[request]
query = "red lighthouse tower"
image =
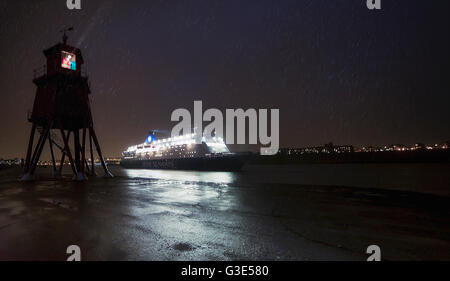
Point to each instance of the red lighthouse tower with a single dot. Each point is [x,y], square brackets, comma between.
[61,107]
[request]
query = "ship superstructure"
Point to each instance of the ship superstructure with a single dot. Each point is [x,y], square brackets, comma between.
[182,152]
[176,147]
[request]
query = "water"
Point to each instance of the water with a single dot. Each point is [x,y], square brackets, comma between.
[298,212]
[424,178]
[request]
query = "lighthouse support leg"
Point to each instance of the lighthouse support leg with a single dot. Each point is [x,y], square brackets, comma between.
[50,141]
[99,152]
[40,148]
[76,145]
[27,176]
[30,148]
[33,157]
[78,164]
[67,149]
[79,152]
[88,170]
[92,155]
[83,153]
[61,165]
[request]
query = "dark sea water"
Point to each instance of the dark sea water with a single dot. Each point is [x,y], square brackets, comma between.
[422,177]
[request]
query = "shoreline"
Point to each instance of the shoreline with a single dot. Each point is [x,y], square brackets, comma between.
[223,220]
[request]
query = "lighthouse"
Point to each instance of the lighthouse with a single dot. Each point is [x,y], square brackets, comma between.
[62,110]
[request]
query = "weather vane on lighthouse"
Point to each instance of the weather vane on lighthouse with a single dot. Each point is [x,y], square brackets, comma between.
[62,104]
[64,30]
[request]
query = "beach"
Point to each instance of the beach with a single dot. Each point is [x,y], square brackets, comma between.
[298,212]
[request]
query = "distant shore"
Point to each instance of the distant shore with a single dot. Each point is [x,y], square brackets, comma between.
[5,166]
[422,156]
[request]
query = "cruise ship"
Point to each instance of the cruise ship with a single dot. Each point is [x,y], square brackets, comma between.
[182,153]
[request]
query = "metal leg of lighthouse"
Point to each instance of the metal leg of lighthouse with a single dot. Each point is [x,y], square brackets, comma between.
[99,152]
[83,154]
[76,146]
[38,151]
[30,149]
[50,142]
[27,176]
[88,170]
[79,155]
[67,150]
[92,155]
[78,161]
[61,165]
[31,163]
[33,157]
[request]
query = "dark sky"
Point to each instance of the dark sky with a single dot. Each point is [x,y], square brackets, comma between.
[337,71]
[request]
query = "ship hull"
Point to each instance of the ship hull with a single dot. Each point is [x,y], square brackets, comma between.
[222,163]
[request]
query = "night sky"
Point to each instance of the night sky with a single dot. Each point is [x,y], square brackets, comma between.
[337,71]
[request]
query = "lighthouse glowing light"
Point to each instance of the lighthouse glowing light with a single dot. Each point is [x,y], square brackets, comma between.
[68,60]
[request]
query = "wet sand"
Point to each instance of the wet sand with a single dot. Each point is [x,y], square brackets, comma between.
[181,215]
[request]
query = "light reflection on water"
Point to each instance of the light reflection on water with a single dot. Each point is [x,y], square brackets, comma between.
[418,177]
[189,176]
[171,187]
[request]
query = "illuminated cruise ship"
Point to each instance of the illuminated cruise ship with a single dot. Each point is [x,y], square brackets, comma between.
[182,153]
